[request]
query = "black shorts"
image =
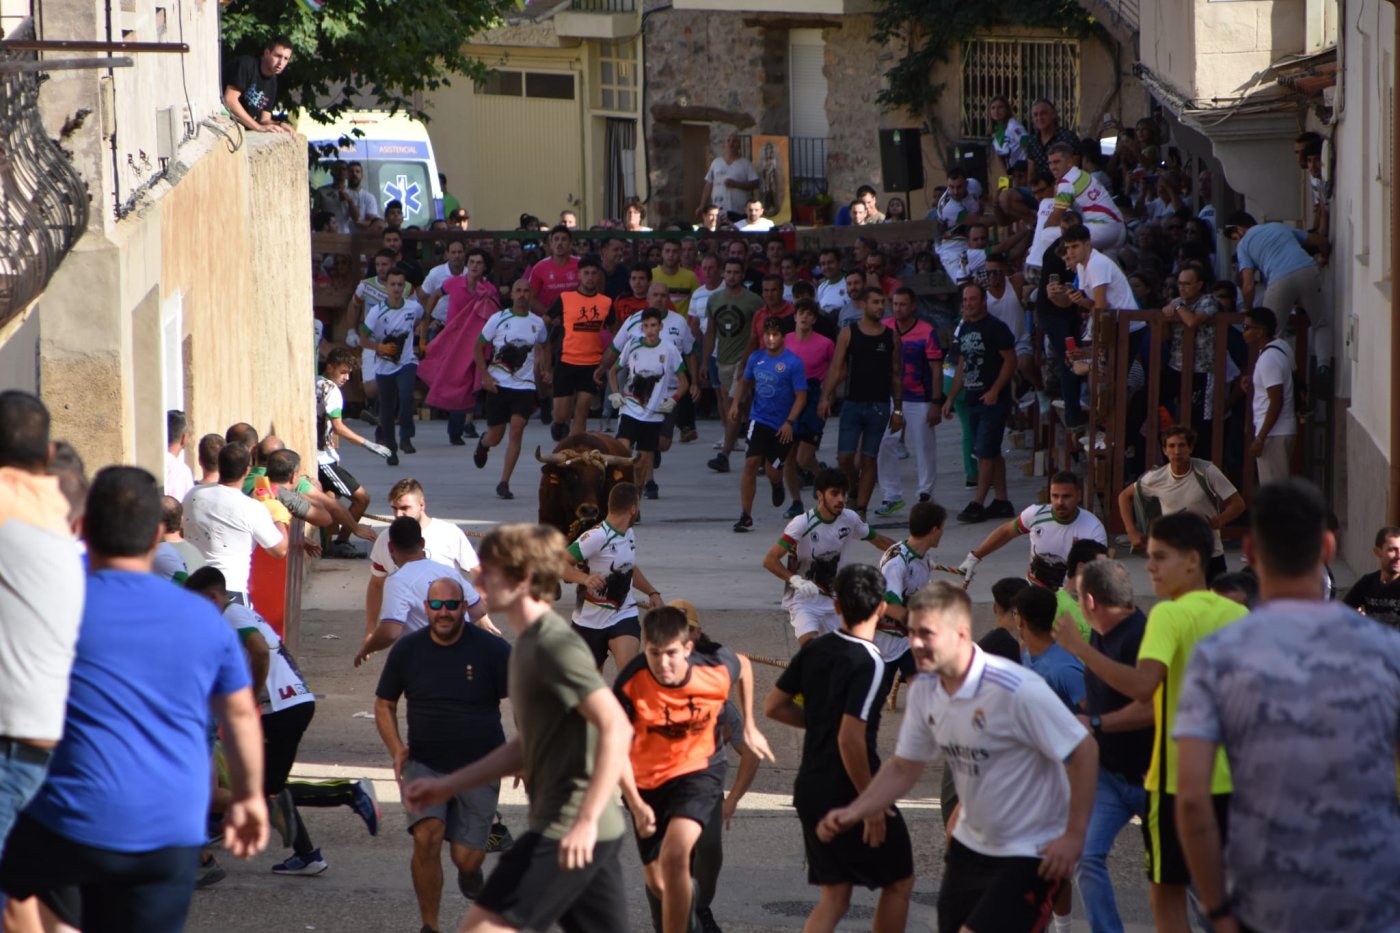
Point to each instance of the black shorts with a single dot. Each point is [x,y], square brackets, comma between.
[764,443]
[531,892]
[597,638]
[644,435]
[848,860]
[99,890]
[504,404]
[570,379]
[985,892]
[1166,863]
[691,796]
[336,480]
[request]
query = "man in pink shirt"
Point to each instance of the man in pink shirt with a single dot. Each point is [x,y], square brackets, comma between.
[816,353]
[922,359]
[557,273]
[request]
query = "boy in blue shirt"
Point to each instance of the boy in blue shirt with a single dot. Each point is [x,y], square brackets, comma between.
[776,379]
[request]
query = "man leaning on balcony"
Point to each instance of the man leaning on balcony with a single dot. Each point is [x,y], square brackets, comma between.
[251,92]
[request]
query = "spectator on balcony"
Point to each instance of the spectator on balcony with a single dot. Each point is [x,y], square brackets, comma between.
[1100,284]
[895,211]
[754,221]
[336,198]
[459,219]
[1046,132]
[956,211]
[858,215]
[568,218]
[710,218]
[251,93]
[1078,190]
[634,216]
[1275,425]
[364,206]
[1189,315]
[1009,139]
[729,182]
[1274,252]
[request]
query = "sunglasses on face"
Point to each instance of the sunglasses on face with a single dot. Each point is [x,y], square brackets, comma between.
[450,604]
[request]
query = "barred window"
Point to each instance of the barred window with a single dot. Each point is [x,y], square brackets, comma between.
[1022,70]
[617,76]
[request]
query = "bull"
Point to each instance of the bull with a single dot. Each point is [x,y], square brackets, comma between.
[576,478]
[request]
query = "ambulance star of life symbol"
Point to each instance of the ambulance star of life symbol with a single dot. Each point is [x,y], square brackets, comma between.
[401,189]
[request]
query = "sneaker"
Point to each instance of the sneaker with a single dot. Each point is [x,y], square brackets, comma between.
[369,415]
[311,864]
[925,497]
[392,459]
[970,483]
[745,523]
[779,494]
[1001,508]
[344,550]
[973,514]
[480,454]
[706,918]
[471,885]
[500,839]
[280,810]
[456,442]
[718,445]
[719,463]
[651,490]
[689,435]
[889,507]
[367,805]
[470,431]
[407,447]
[795,509]
[503,491]
[558,431]
[209,873]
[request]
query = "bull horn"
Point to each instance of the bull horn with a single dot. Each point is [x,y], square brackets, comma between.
[554,459]
[612,460]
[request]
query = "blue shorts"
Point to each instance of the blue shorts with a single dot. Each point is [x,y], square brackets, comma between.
[863,424]
[810,425]
[987,424]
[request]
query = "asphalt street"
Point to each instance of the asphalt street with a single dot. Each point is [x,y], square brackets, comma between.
[687,548]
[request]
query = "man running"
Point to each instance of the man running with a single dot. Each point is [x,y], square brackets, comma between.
[1052,528]
[730,313]
[921,365]
[656,380]
[905,567]
[572,739]
[777,381]
[388,331]
[838,677]
[330,429]
[453,676]
[580,315]
[1005,736]
[369,293]
[810,552]
[674,695]
[518,367]
[607,617]
[874,398]
[1178,551]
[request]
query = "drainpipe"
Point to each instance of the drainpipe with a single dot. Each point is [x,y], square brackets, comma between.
[1393,507]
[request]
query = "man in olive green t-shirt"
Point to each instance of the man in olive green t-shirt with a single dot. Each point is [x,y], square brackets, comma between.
[1179,550]
[731,312]
[571,744]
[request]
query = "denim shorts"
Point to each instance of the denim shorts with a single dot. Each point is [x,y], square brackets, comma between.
[987,424]
[863,424]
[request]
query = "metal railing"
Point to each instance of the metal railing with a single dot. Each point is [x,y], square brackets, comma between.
[43,200]
[603,6]
[807,158]
[1023,70]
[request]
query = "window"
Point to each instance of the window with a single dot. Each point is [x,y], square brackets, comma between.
[548,85]
[617,76]
[1023,70]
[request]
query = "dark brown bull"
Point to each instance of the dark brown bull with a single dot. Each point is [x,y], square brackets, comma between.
[575,480]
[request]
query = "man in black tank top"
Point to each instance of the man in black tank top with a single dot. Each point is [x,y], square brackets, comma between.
[867,351]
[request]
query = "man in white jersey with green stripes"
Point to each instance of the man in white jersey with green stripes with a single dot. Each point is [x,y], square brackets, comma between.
[1052,528]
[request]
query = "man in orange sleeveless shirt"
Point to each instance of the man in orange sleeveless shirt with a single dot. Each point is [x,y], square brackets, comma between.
[580,315]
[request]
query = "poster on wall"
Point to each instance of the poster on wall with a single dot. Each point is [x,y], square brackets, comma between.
[770,161]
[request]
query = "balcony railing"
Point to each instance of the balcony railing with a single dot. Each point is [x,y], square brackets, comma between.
[603,6]
[43,201]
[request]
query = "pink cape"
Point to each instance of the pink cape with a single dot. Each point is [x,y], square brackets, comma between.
[449,364]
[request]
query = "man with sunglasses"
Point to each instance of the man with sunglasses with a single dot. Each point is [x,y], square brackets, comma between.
[453,676]
[404,608]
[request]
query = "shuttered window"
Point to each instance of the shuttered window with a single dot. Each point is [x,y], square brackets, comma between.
[807,54]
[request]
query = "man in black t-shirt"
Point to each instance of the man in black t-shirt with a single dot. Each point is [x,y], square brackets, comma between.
[1122,728]
[1378,593]
[1059,324]
[838,676]
[454,677]
[251,92]
[984,350]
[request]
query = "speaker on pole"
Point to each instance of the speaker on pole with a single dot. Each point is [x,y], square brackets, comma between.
[901,160]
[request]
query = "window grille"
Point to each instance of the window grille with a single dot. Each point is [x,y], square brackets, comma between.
[1022,70]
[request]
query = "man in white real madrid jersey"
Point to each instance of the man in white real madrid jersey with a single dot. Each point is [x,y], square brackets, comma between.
[1053,528]
[810,552]
[1024,768]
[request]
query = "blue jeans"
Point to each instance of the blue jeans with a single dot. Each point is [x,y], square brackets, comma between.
[863,426]
[1115,803]
[396,404]
[20,780]
[1057,328]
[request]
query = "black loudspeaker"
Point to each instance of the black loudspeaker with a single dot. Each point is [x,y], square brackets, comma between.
[901,160]
[971,154]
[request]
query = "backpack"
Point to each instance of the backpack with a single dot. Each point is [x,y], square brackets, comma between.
[1147,509]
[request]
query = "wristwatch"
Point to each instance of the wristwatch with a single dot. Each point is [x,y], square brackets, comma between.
[1096,724]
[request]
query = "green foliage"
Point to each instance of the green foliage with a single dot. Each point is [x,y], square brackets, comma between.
[384,49]
[935,29]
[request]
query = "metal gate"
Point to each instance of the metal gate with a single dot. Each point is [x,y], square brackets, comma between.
[1022,70]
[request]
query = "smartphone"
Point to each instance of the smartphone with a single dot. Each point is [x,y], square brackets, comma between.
[1054,278]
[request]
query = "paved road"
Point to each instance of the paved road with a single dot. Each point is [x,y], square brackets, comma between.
[687,548]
